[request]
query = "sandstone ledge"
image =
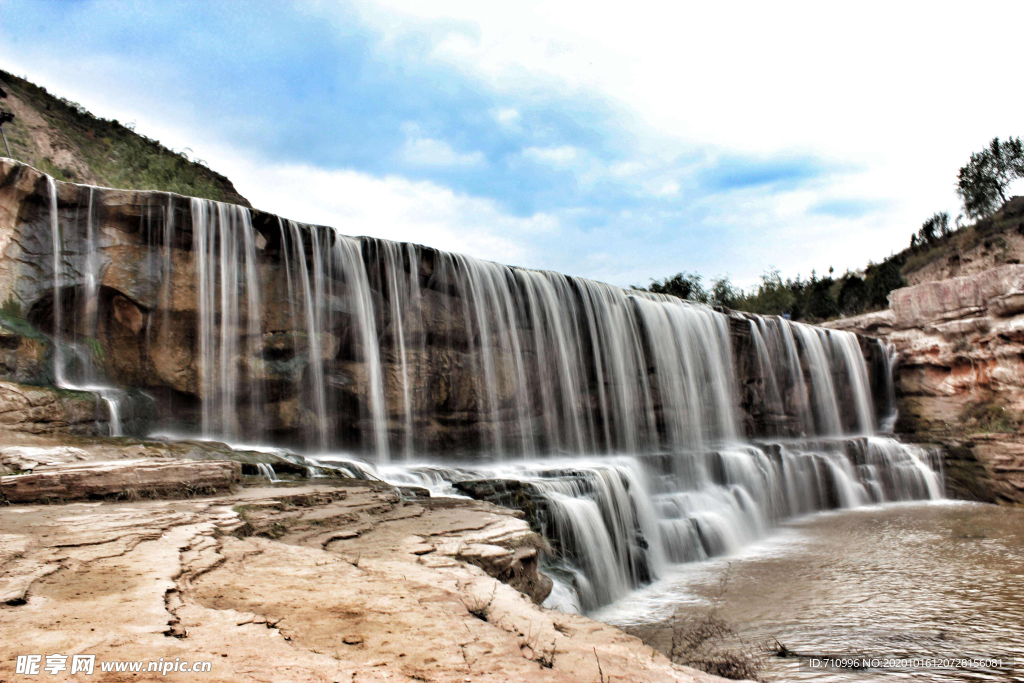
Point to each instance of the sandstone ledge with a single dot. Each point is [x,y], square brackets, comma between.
[311,583]
[960,341]
[45,410]
[128,479]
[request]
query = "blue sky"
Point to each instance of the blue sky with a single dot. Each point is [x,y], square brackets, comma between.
[610,143]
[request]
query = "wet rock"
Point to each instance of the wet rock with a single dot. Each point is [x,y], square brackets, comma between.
[44,410]
[510,493]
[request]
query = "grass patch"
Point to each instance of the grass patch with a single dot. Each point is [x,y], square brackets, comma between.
[704,640]
[113,153]
[990,416]
[11,308]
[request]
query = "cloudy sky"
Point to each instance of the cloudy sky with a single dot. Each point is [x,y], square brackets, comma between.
[618,141]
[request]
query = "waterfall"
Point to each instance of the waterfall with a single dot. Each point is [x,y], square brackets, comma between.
[616,523]
[74,362]
[58,313]
[636,430]
[225,261]
[891,411]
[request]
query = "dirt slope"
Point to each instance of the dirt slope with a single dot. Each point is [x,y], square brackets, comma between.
[63,139]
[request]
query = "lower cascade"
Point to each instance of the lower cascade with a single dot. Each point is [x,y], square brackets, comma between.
[634,430]
[616,523]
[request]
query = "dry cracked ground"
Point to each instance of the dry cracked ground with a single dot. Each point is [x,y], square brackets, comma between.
[344,581]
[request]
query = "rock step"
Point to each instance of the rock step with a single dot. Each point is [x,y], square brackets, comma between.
[125,479]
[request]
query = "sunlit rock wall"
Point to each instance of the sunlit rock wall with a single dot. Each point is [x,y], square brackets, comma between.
[960,375]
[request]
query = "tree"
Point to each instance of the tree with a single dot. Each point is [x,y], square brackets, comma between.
[933,228]
[724,294]
[882,279]
[683,285]
[773,296]
[982,183]
[853,295]
[820,302]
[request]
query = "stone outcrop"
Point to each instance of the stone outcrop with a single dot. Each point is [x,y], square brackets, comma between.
[313,583]
[125,479]
[960,377]
[44,410]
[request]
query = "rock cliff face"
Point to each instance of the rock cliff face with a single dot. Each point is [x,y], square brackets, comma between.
[960,376]
[238,323]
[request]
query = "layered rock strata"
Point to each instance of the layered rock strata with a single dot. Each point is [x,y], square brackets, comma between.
[124,479]
[960,376]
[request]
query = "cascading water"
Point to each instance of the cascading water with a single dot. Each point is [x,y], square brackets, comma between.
[639,430]
[889,412]
[74,366]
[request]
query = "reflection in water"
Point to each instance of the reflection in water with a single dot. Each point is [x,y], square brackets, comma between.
[907,580]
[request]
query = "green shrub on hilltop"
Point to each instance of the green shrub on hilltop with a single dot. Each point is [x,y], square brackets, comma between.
[114,154]
[813,299]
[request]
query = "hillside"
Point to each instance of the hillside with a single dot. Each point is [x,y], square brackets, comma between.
[991,242]
[63,139]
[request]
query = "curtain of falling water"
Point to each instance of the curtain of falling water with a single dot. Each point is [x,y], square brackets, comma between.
[536,363]
[228,292]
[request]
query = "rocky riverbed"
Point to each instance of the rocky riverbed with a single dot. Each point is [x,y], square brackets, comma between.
[341,580]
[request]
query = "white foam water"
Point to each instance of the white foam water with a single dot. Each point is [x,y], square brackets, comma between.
[616,413]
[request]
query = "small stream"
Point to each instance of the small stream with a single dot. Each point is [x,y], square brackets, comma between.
[940,580]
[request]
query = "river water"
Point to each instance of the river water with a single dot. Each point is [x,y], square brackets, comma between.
[941,579]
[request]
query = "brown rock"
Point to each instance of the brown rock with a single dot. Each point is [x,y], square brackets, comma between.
[44,410]
[128,479]
[960,342]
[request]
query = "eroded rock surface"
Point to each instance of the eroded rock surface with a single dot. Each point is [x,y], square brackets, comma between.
[315,583]
[120,302]
[45,410]
[960,377]
[129,479]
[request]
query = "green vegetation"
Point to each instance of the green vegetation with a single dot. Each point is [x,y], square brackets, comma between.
[991,417]
[981,184]
[10,319]
[812,299]
[96,347]
[63,139]
[11,308]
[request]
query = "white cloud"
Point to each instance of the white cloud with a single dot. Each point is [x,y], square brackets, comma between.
[668,188]
[507,116]
[391,207]
[556,156]
[430,152]
[886,87]
[876,87]
[425,151]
